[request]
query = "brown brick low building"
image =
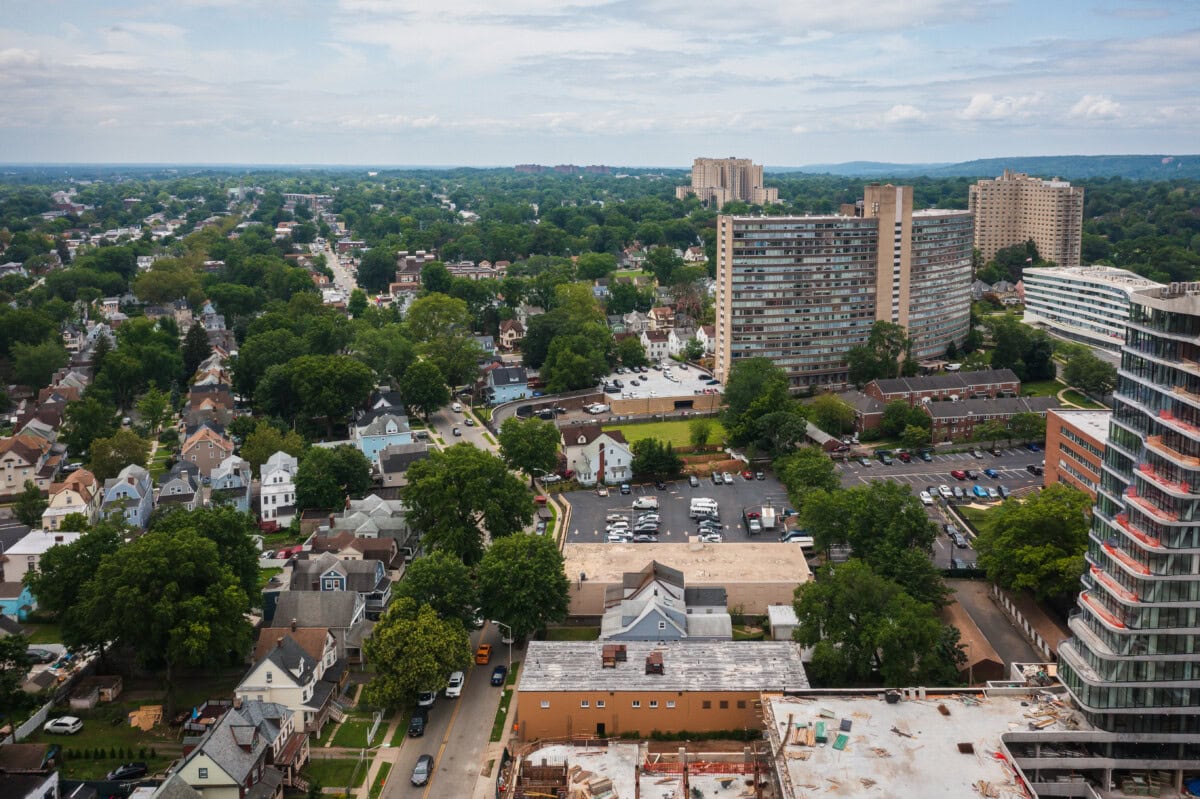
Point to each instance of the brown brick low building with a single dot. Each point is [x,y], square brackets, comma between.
[956,421]
[577,688]
[963,385]
[1075,447]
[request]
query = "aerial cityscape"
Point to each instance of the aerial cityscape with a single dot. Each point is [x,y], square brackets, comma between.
[600,401]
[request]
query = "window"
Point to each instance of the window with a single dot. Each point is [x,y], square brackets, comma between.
[662,625]
[545,704]
[600,703]
[269,676]
[653,704]
[584,703]
[706,704]
[202,773]
[741,703]
[724,704]
[637,703]
[670,704]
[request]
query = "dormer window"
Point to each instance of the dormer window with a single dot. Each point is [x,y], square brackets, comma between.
[269,676]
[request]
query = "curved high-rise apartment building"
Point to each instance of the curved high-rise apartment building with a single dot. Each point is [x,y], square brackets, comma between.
[1133,664]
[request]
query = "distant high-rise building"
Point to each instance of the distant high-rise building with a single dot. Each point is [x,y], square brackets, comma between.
[719,180]
[804,290]
[1014,208]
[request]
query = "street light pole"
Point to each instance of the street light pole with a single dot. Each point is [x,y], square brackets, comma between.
[508,640]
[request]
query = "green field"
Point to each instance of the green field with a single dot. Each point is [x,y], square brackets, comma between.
[353,733]
[335,772]
[572,633]
[982,519]
[674,432]
[43,633]
[380,780]
[1042,388]
[265,575]
[1075,397]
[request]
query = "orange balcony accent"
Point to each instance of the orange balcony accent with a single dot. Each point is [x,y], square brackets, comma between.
[1151,474]
[1164,414]
[1184,392]
[1112,585]
[1131,491]
[1156,443]
[1100,610]
[1121,555]
[1123,522]
[1152,509]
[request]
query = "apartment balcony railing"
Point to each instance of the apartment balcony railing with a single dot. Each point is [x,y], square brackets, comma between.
[1109,582]
[1106,615]
[1161,514]
[1151,474]
[1120,555]
[1123,522]
[1183,392]
[1171,420]
[1156,444]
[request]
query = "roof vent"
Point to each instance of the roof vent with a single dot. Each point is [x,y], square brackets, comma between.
[611,655]
[654,663]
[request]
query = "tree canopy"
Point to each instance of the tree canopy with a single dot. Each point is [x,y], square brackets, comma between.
[530,445]
[327,476]
[445,583]
[521,583]
[413,650]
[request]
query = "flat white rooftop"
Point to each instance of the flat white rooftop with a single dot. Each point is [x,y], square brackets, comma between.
[1094,423]
[1102,275]
[909,750]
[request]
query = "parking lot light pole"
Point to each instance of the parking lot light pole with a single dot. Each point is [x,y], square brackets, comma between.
[506,640]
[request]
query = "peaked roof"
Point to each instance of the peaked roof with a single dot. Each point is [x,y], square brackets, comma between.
[334,609]
[311,639]
[205,433]
[292,658]
[28,447]
[81,481]
[589,433]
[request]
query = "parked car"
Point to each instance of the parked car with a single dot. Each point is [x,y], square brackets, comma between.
[693,481]
[456,407]
[960,541]
[926,455]
[426,698]
[625,489]
[980,492]
[483,654]
[498,675]
[547,479]
[455,685]
[945,491]
[615,517]
[904,457]
[958,474]
[727,478]
[1034,469]
[660,485]
[469,422]
[864,461]
[747,474]
[423,770]
[38,655]
[602,491]
[759,476]
[1004,492]
[456,431]
[711,538]
[993,493]
[716,478]
[992,473]
[1032,447]
[971,474]
[645,538]
[128,771]
[63,725]
[926,499]
[959,493]
[885,458]
[976,454]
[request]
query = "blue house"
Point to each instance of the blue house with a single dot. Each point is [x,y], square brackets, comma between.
[230,483]
[327,572]
[654,605]
[381,428]
[16,601]
[506,383]
[130,495]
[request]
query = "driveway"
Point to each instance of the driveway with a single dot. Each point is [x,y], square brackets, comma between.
[588,511]
[1008,642]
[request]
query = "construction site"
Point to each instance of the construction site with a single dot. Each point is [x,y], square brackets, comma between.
[636,770]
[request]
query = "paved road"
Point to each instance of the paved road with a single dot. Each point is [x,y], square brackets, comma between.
[445,420]
[457,733]
[341,275]
[1008,642]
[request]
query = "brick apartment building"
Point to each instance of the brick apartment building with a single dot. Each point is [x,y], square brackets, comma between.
[1075,448]
[962,385]
[956,421]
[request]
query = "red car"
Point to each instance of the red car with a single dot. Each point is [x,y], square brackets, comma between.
[749,475]
[958,474]
[905,457]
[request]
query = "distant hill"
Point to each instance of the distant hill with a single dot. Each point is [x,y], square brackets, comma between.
[1134,167]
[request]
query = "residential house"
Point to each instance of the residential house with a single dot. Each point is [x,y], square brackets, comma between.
[288,675]
[347,546]
[654,605]
[512,333]
[230,483]
[678,338]
[378,429]
[661,318]
[206,448]
[246,754]
[129,494]
[978,289]
[28,458]
[394,460]
[344,613]
[277,489]
[600,289]
[506,383]
[209,403]
[487,346]
[376,517]
[694,255]
[616,323]
[707,334]
[597,455]
[956,421]
[868,410]
[636,322]
[180,487]
[26,555]
[16,600]
[78,492]
[656,344]
[946,386]
[525,312]
[325,571]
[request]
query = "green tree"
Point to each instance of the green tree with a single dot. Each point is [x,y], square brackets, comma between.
[596,265]
[195,349]
[413,650]
[693,350]
[573,362]
[357,303]
[424,388]
[327,476]
[887,353]
[864,628]
[154,408]
[231,530]
[699,431]
[779,432]
[169,598]
[655,458]
[897,415]
[805,470]
[266,440]
[832,414]
[435,278]
[62,575]
[377,269]
[1090,374]
[456,494]
[316,386]
[631,352]
[385,349]
[992,431]
[530,445]
[110,455]
[662,261]
[443,582]
[1027,426]
[34,364]
[914,437]
[522,583]
[1038,545]
[29,505]
[755,387]
[14,668]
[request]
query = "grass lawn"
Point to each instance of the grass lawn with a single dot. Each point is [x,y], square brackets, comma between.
[572,633]
[1084,402]
[1041,388]
[402,728]
[674,432]
[512,674]
[380,780]
[158,464]
[353,732]
[43,633]
[79,767]
[265,575]
[982,519]
[748,633]
[501,716]
[335,773]
[106,728]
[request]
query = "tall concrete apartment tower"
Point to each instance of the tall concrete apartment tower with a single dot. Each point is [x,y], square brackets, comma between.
[719,180]
[1015,208]
[804,290]
[1133,665]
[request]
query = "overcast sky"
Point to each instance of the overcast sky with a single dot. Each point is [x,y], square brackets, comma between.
[626,82]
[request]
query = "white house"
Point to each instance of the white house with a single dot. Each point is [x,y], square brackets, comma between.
[290,676]
[79,492]
[26,554]
[678,338]
[277,500]
[656,343]
[597,455]
[707,334]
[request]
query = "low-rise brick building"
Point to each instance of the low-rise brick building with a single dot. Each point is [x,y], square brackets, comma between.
[1075,448]
[956,421]
[961,385]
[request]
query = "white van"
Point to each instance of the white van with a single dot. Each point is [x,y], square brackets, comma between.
[644,503]
[699,503]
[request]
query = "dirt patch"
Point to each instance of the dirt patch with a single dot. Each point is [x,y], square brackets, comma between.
[697,747]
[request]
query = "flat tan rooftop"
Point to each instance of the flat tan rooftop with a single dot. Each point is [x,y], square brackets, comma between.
[700,563]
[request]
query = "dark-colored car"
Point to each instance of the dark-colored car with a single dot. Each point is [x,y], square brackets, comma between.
[423,770]
[971,474]
[498,675]
[660,485]
[1033,447]
[992,473]
[416,725]
[885,458]
[1034,469]
[625,489]
[128,771]
[1004,492]
[926,455]
[38,655]
[759,476]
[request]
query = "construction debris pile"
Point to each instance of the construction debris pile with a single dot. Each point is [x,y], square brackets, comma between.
[1047,710]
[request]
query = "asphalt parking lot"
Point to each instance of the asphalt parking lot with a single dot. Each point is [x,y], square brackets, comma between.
[1011,464]
[673,382]
[588,510]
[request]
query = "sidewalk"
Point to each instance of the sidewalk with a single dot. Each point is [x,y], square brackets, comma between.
[485,785]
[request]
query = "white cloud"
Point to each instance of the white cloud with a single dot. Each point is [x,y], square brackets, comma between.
[1095,106]
[987,106]
[901,113]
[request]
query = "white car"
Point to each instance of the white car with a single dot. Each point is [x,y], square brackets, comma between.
[602,491]
[926,499]
[615,517]
[455,685]
[456,407]
[64,725]
[945,491]
[620,538]
[727,477]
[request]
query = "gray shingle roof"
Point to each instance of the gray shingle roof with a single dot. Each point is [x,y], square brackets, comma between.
[318,608]
[963,381]
[1003,406]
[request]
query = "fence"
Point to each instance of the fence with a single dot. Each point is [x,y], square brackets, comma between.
[1018,618]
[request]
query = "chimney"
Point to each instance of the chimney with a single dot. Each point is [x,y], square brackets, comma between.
[654,663]
[279,641]
[293,625]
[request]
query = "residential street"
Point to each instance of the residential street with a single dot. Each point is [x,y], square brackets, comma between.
[445,420]
[341,276]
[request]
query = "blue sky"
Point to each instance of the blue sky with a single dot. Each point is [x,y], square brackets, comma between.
[629,82]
